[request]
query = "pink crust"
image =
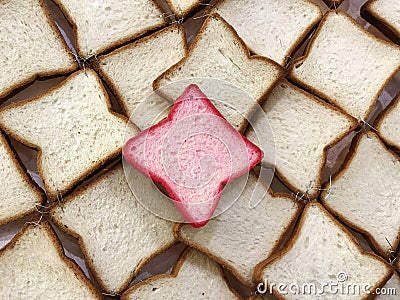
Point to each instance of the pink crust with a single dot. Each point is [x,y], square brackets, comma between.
[192,153]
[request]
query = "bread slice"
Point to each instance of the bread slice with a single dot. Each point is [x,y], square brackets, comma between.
[346,65]
[271,28]
[324,260]
[116,233]
[73,128]
[31,45]
[100,25]
[180,8]
[33,266]
[369,182]
[304,128]
[243,235]
[131,70]
[333,3]
[384,15]
[217,57]
[195,276]
[387,124]
[390,290]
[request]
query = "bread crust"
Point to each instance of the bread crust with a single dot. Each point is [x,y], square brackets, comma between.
[333,4]
[184,13]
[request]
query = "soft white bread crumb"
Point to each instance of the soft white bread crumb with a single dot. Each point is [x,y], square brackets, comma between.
[391,289]
[369,183]
[180,8]
[321,254]
[388,124]
[31,45]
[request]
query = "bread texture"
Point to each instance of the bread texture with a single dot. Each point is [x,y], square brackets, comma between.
[387,124]
[195,276]
[391,289]
[73,128]
[322,254]
[33,266]
[31,45]
[116,233]
[180,8]
[346,65]
[131,70]
[100,25]
[271,28]
[368,183]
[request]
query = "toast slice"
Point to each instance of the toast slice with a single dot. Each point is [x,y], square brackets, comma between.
[387,124]
[271,28]
[73,128]
[100,25]
[31,45]
[296,119]
[217,57]
[324,261]
[369,182]
[346,65]
[180,8]
[116,233]
[33,266]
[141,62]
[195,276]
[243,235]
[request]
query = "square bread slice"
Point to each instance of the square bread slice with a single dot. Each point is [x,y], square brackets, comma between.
[195,276]
[369,182]
[180,8]
[323,260]
[33,266]
[244,235]
[271,28]
[387,124]
[73,128]
[384,15]
[218,57]
[131,70]
[346,65]
[304,127]
[116,233]
[100,25]
[31,45]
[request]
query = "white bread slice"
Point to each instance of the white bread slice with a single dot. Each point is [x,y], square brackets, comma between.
[31,45]
[321,252]
[390,290]
[216,55]
[180,8]
[73,128]
[33,266]
[271,28]
[116,233]
[333,3]
[195,276]
[131,70]
[388,124]
[347,65]
[243,235]
[369,182]
[103,24]
[304,128]
[384,15]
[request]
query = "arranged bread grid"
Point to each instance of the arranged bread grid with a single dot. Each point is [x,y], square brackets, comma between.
[131,70]
[31,45]
[271,28]
[195,276]
[391,289]
[368,183]
[346,65]
[33,266]
[388,124]
[180,8]
[322,252]
[73,128]
[100,25]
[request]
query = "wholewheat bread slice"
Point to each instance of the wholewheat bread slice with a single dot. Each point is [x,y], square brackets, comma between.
[31,45]
[390,290]
[346,65]
[195,276]
[369,182]
[131,70]
[100,25]
[180,8]
[218,54]
[324,260]
[387,124]
[304,128]
[73,128]
[244,235]
[33,266]
[117,235]
[271,28]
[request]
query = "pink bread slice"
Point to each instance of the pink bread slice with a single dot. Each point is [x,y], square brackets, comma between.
[192,153]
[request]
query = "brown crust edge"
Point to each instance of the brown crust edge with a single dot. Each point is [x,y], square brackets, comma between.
[333,3]
[185,12]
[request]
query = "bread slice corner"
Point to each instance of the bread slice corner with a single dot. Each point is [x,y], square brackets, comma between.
[180,8]
[333,4]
